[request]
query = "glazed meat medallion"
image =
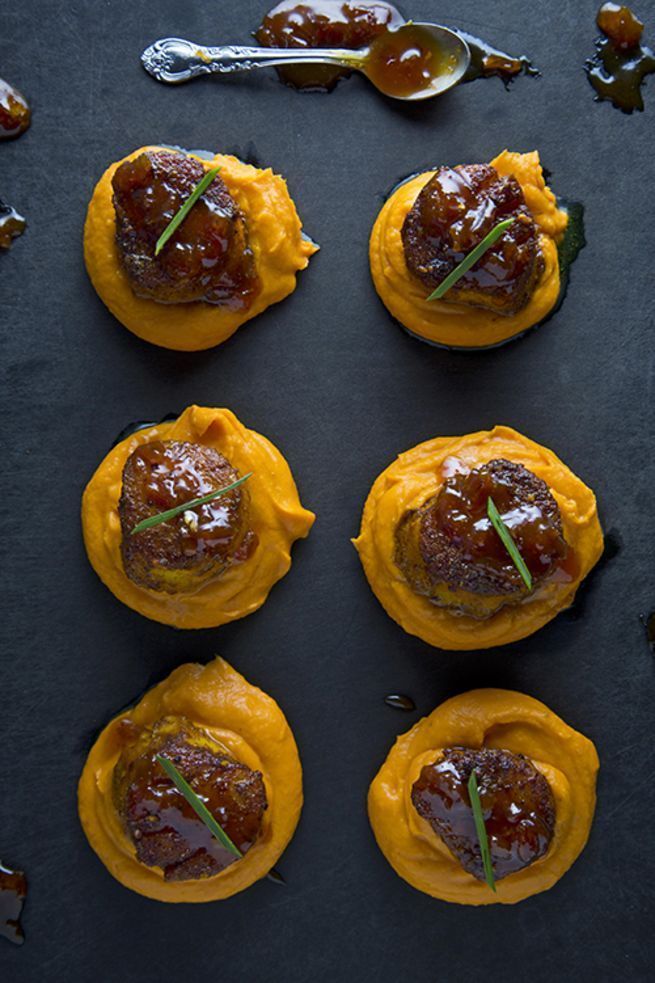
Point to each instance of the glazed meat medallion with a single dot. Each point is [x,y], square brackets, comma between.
[229,746]
[475,541]
[190,285]
[432,222]
[191,522]
[534,778]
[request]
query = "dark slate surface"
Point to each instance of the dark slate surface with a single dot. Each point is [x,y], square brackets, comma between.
[341,390]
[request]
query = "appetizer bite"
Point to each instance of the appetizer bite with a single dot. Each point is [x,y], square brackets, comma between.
[475,541]
[487,800]
[193,794]
[191,521]
[183,250]
[467,256]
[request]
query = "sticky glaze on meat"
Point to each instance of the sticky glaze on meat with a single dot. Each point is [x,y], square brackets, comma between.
[324,24]
[163,827]
[452,214]
[184,553]
[208,258]
[449,551]
[517,804]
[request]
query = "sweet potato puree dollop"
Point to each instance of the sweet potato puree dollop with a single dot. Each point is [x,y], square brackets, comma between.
[276,517]
[416,476]
[250,725]
[275,237]
[484,718]
[458,325]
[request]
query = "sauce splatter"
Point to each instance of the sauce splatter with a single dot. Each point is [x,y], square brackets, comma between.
[11,225]
[15,113]
[13,890]
[620,63]
[399,702]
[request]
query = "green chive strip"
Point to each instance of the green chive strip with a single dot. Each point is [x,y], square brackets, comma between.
[184,210]
[198,806]
[154,520]
[508,542]
[201,810]
[481,830]
[471,259]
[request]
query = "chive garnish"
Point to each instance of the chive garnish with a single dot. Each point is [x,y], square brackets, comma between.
[184,210]
[471,259]
[198,806]
[481,830]
[508,542]
[203,813]
[154,520]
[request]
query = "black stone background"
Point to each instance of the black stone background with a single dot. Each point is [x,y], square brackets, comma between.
[341,390]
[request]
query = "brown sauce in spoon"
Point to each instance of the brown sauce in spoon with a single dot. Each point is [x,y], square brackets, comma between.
[398,66]
[15,113]
[621,63]
[13,890]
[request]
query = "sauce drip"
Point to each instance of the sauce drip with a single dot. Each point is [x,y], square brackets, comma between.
[490,62]
[15,113]
[621,63]
[407,65]
[13,890]
[11,225]
[400,702]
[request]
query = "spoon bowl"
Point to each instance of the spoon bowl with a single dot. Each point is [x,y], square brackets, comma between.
[433,57]
[176,60]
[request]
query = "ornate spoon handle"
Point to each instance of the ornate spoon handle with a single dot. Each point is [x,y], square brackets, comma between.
[175,60]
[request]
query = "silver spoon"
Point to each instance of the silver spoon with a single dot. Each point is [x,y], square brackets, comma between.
[175,60]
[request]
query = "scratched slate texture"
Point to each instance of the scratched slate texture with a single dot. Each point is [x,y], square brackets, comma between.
[341,389]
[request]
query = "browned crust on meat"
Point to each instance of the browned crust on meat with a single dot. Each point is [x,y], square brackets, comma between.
[441,229]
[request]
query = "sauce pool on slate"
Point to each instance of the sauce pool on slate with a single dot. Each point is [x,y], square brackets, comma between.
[399,702]
[490,62]
[621,63]
[15,113]
[11,225]
[13,890]
[399,65]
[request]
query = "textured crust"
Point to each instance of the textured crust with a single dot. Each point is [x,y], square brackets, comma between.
[490,718]
[502,777]
[415,477]
[457,325]
[276,517]
[237,715]
[208,258]
[159,558]
[504,278]
[147,801]
[275,238]
[442,562]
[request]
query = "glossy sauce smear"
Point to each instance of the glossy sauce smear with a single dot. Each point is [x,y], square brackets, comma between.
[398,66]
[621,63]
